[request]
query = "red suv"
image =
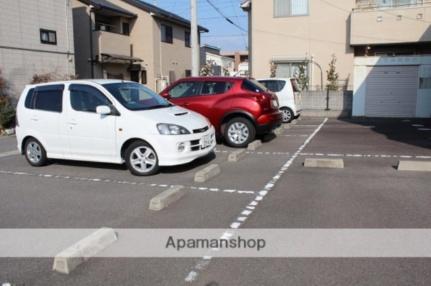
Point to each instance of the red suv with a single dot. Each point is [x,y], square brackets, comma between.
[239,108]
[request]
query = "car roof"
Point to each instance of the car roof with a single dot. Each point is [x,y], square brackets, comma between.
[276,78]
[81,81]
[209,78]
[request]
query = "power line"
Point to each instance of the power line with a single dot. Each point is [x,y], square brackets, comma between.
[225,17]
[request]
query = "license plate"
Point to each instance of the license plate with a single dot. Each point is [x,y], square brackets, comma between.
[206,141]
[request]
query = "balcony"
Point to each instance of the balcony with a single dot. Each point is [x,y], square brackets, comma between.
[375,22]
[107,43]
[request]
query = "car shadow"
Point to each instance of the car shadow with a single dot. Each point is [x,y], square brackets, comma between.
[398,129]
[189,166]
[163,170]
[95,165]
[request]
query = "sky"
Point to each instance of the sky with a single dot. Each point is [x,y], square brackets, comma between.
[222,34]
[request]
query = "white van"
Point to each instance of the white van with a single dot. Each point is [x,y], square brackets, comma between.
[288,93]
[109,121]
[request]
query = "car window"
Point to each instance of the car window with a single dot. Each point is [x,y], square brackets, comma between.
[29,99]
[49,98]
[274,85]
[215,87]
[251,86]
[86,98]
[185,89]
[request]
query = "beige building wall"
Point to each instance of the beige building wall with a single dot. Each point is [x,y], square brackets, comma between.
[21,52]
[316,37]
[407,24]
[175,57]
[158,58]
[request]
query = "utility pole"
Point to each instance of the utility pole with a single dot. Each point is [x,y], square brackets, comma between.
[194,38]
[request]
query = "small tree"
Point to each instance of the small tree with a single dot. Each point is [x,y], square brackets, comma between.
[302,77]
[207,69]
[332,75]
[273,69]
[7,111]
[48,77]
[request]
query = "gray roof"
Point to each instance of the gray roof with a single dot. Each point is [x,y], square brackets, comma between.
[163,14]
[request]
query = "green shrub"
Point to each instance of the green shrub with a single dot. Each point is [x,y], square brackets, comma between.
[7,114]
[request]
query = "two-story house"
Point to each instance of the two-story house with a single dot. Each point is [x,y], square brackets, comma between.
[382,49]
[36,37]
[131,40]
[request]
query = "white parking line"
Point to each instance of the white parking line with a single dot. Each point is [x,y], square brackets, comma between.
[101,180]
[247,211]
[365,155]
[9,153]
[296,135]
[255,152]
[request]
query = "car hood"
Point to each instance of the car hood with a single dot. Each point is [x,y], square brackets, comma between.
[175,115]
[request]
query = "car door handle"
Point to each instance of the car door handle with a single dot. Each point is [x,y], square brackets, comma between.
[186,104]
[73,123]
[34,119]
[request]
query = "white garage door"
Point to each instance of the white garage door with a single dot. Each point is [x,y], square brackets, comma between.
[391,91]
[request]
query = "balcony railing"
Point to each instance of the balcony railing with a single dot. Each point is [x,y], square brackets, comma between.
[111,43]
[380,4]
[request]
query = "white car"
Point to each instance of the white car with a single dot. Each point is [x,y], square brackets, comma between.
[288,93]
[109,121]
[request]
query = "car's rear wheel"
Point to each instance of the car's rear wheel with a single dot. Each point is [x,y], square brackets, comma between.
[287,114]
[35,153]
[239,132]
[141,159]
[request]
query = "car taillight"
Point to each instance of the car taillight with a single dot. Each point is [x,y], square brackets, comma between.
[16,120]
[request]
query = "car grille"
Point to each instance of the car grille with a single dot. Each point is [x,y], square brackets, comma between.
[201,130]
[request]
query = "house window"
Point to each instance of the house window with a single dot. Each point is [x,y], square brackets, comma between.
[188,73]
[290,69]
[144,77]
[187,39]
[126,28]
[395,3]
[167,35]
[48,37]
[287,8]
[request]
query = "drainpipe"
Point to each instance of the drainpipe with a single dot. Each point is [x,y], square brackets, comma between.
[90,26]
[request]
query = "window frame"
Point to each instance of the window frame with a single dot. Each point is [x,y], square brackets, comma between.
[290,10]
[192,85]
[49,88]
[187,39]
[48,32]
[164,28]
[90,87]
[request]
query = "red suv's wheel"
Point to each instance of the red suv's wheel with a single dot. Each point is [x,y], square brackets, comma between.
[239,132]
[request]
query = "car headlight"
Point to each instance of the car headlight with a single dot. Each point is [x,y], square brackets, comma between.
[171,129]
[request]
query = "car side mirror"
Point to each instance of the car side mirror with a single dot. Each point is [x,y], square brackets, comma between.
[103,110]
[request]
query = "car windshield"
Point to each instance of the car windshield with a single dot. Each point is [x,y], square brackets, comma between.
[135,96]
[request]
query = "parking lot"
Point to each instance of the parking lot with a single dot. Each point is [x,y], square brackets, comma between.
[271,182]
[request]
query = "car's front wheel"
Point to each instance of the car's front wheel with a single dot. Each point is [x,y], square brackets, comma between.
[35,153]
[239,132]
[141,159]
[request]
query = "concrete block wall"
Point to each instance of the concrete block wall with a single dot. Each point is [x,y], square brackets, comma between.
[316,100]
